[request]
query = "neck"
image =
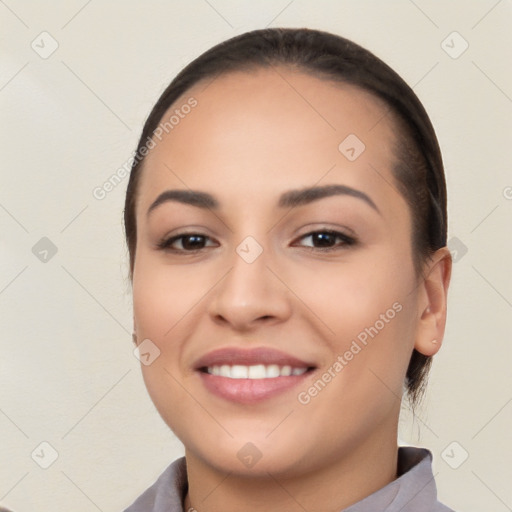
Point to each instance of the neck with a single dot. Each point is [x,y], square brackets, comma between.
[331,488]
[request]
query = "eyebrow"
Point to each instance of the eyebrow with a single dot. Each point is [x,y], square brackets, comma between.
[289,199]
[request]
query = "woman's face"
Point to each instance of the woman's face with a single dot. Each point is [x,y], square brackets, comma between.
[254,294]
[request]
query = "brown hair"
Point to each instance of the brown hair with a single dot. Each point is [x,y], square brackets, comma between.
[418,170]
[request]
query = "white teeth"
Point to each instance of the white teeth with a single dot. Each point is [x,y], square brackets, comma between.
[259,371]
[239,372]
[272,370]
[286,370]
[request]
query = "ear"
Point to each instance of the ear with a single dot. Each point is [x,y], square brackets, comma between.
[432,303]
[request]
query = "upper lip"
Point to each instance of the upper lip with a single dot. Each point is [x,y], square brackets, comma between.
[249,357]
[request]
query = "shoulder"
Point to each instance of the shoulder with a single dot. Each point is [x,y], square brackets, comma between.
[166,493]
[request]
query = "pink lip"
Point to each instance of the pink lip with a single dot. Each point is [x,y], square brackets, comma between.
[249,391]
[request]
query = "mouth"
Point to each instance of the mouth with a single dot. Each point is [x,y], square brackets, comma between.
[251,376]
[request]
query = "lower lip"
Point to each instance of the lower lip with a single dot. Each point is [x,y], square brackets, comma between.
[248,391]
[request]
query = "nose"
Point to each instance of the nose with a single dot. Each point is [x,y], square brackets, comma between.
[250,294]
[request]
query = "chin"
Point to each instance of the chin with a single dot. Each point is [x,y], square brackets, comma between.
[253,455]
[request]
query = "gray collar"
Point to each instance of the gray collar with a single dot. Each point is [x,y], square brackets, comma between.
[413,491]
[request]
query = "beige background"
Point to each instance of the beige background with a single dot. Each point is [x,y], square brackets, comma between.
[68,376]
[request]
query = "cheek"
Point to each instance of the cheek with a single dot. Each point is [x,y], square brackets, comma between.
[352,295]
[165,302]
[163,298]
[164,305]
[367,316]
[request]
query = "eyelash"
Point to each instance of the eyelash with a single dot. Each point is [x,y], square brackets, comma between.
[165,243]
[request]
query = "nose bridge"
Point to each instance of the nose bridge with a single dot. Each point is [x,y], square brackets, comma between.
[250,290]
[248,279]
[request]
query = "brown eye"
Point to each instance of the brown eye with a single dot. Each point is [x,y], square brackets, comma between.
[326,240]
[190,242]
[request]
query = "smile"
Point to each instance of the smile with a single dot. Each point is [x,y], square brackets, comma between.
[250,375]
[258,371]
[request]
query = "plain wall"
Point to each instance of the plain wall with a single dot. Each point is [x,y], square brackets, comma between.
[69,121]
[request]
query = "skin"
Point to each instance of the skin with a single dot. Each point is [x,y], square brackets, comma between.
[252,136]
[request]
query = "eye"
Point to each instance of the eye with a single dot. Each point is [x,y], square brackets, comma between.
[325,240]
[190,242]
[322,240]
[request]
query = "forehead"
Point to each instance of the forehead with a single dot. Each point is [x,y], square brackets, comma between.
[268,128]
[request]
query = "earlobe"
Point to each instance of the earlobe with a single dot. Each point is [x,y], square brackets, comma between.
[429,349]
[432,303]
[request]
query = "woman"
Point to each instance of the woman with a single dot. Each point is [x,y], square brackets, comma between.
[286,224]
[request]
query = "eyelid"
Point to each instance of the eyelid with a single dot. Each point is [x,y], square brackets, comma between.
[341,229]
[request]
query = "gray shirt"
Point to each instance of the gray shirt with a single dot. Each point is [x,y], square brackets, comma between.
[413,491]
